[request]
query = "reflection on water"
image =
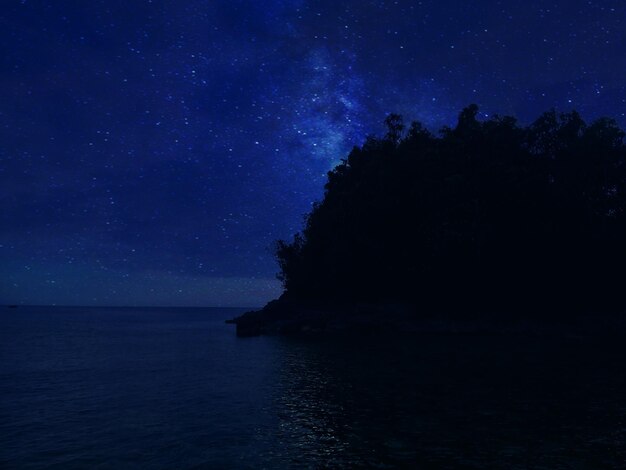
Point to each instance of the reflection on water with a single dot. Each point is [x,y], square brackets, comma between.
[176,389]
[458,401]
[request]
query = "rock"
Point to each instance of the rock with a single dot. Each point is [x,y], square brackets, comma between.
[288,317]
[285,317]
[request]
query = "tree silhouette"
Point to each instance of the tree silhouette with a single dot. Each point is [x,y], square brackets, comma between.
[488,216]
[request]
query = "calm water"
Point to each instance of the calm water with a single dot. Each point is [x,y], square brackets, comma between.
[174,388]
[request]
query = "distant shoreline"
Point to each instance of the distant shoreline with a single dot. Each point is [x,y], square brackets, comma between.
[128,306]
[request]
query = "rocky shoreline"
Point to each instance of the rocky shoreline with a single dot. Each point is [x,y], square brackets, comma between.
[287,317]
[282,317]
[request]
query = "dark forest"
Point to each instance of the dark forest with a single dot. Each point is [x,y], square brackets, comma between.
[488,216]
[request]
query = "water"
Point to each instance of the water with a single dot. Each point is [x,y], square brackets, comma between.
[174,388]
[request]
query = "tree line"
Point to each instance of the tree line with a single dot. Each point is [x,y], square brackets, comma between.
[487,216]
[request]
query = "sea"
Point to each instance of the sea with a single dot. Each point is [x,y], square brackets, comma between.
[164,388]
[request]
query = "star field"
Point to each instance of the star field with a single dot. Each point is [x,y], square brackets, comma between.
[151,151]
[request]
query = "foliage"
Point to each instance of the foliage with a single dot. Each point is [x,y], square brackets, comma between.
[489,216]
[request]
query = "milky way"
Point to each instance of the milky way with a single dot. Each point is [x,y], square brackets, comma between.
[151,151]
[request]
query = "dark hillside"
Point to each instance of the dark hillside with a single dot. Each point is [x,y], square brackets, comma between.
[488,216]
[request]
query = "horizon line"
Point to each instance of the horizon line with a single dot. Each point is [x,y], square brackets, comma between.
[7,305]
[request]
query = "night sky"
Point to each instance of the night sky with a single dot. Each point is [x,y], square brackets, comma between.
[151,151]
